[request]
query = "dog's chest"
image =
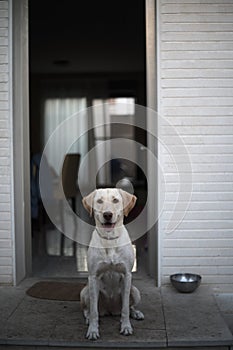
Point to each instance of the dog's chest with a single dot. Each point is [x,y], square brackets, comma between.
[111,260]
[111,256]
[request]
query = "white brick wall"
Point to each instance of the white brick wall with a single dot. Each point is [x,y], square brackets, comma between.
[196,96]
[6,274]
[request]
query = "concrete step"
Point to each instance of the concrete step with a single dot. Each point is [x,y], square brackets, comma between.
[194,319]
[23,347]
[172,321]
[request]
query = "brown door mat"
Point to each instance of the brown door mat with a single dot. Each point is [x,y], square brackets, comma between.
[64,291]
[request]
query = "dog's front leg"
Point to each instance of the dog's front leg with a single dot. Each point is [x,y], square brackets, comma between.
[93,329]
[126,327]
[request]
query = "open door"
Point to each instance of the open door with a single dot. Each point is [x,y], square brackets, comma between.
[86,67]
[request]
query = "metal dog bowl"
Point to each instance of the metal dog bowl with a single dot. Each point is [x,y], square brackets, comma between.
[185,282]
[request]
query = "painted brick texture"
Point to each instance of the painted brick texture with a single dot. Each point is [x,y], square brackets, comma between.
[196,89]
[6,268]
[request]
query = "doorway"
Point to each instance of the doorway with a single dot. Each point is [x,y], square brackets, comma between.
[82,57]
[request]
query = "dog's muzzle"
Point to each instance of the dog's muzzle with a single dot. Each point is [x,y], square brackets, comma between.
[108,225]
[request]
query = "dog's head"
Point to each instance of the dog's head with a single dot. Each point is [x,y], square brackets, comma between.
[109,207]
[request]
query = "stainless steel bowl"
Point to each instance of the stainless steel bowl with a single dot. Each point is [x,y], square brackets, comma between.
[185,282]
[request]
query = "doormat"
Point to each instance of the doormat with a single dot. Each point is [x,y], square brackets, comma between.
[63,291]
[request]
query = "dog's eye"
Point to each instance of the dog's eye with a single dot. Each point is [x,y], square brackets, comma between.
[115,200]
[99,201]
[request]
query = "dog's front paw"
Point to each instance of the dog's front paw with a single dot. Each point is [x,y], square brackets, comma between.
[126,329]
[136,315]
[92,333]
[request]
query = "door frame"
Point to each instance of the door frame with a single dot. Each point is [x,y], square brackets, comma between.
[19,68]
[19,106]
[152,30]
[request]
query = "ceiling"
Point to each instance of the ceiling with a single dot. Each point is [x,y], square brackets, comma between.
[86,36]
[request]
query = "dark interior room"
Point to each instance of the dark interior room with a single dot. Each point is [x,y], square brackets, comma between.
[84,53]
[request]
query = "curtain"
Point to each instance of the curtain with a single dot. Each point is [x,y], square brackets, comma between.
[57,110]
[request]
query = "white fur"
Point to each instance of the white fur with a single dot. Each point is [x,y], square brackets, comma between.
[110,262]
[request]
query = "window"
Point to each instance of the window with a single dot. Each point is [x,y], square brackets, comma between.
[56,111]
[107,113]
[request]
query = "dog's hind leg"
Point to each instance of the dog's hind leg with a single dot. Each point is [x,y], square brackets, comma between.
[85,303]
[135,298]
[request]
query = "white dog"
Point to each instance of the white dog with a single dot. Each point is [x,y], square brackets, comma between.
[110,261]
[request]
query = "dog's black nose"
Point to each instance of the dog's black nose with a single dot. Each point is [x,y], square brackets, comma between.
[107,215]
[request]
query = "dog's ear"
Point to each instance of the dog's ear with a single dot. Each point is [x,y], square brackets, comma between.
[129,201]
[88,202]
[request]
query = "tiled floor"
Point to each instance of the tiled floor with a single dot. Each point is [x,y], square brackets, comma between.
[171,320]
